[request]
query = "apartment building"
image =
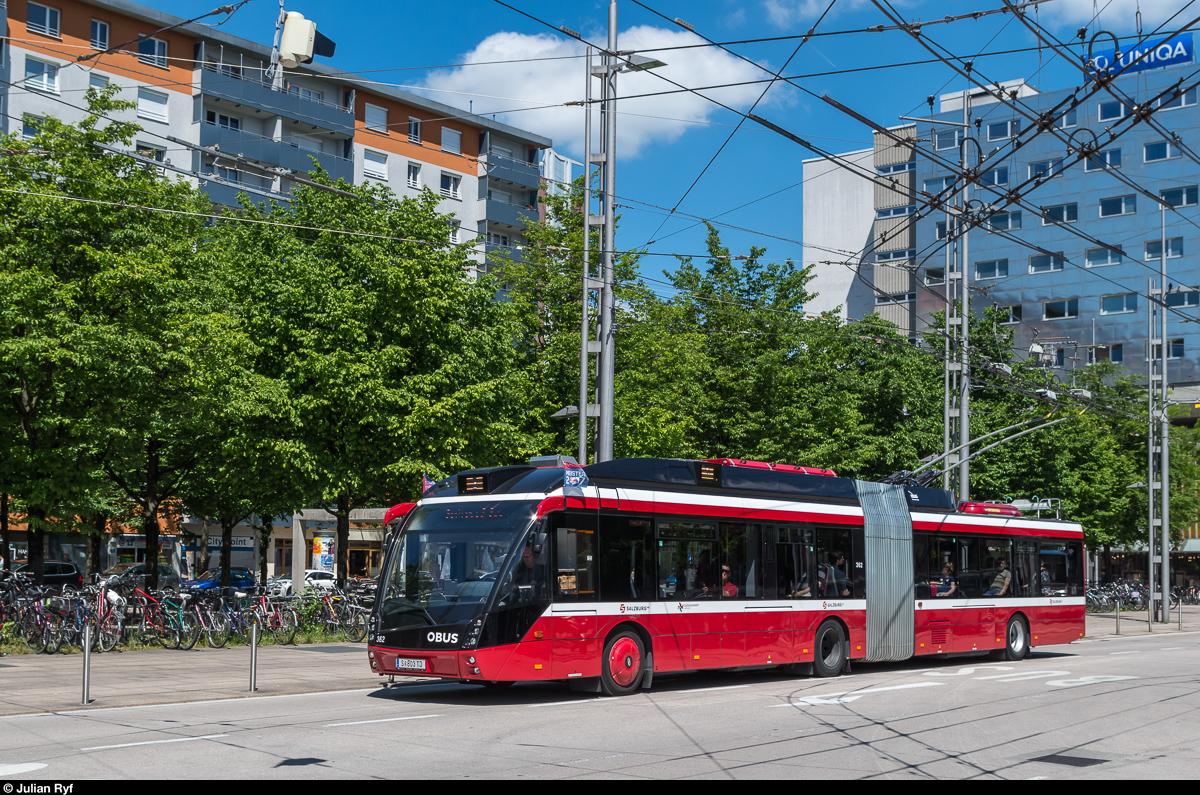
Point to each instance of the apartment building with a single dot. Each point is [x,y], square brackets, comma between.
[1079,303]
[212,111]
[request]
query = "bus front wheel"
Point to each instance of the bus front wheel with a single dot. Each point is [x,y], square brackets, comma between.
[1016,640]
[624,664]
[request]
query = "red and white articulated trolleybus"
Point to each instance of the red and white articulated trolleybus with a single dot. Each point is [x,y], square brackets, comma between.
[660,565]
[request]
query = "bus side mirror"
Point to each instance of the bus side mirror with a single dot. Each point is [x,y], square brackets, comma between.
[539,541]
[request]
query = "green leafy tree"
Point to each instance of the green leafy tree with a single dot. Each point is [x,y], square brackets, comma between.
[392,361]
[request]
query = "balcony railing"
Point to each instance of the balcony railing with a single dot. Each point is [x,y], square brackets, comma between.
[243,86]
[267,150]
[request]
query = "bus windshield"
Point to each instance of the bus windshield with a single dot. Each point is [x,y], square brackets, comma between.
[447,561]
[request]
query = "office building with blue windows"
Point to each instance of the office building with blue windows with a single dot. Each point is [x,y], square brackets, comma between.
[1070,270]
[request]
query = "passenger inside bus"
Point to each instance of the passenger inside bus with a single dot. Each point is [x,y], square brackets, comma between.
[947,585]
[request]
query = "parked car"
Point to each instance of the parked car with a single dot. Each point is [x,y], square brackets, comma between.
[313,578]
[56,573]
[135,574]
[239,578]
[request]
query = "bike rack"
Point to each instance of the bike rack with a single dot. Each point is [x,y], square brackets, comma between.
[87,661]
[254,657]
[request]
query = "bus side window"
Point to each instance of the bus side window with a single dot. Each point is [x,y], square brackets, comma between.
[574,576]
[833,553]
[920,565]
[970,579]
[741,546]
[626,559]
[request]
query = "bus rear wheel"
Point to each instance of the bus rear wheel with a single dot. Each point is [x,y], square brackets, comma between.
[624,664]
[829,649]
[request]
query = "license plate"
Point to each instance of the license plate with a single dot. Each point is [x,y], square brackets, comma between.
[403,664]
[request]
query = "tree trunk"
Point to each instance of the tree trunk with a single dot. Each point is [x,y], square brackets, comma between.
[5,541]
[201,565]
[37,543]
[150,518]
[264,540]
[96,545]
[343,539]
[227,523]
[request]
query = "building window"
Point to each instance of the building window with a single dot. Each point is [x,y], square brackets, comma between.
[885,256]
[1060,310]
[992,269]
[935,276]
[451,141]
[1119,205]
[1044,263]
[1174,248]
[1106,353]
[1112,111]
[1045,168]
[454,231]
[98,81]
[151,152]
[1060,214]
[1174,350]
[1189,298]
[375,118]
[305,94]
[1180,101]
[1109,158]
[1180,197]
[151,105]
[221,120]
[1098,257]
[41,19]
[374,164]
[1003,130]
[1004,222]
[997,176]
[414,130]
[1122,304]
[946,139]
[898,298]
[1069,119]
[939,230]
[898,168]
[229,174]
[1010,315]
[895,211]
[31,125]
[153,52]
[451,186]
[938,185]
[414,175]
[41,76]
[1160,150]
[497,239]
[99,35]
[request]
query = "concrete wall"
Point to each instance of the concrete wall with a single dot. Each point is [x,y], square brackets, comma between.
[839,215]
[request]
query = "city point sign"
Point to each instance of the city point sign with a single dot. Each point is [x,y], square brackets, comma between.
[1155,55]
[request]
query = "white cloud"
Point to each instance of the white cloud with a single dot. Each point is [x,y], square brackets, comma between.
[1118,16]
[660,119]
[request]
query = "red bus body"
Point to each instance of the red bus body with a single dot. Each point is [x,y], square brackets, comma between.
[567,640]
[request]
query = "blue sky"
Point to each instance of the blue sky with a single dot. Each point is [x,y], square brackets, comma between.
[664,142]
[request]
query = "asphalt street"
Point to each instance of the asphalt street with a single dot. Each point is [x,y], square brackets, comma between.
[1120,707]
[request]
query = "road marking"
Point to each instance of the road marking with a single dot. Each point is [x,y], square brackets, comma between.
[383,720]
[1088,680]
[1171,648]
[24,767]
[846,696]
[971,670]
[711,689]
[566,703]
[155,742]
[1137,651]
[1023,676]
[90,710]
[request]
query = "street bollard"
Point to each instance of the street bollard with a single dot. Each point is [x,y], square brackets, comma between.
[1118,616]
[254,656]
[87,661]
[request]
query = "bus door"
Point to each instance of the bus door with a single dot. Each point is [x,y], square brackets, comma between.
[974,616]
[575,647]
[739,587]
[688,577]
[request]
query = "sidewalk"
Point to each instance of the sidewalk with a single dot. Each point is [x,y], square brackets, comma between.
[1103,626]
[46,683]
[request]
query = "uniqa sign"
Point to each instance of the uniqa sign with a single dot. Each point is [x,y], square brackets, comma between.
[1155,55]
